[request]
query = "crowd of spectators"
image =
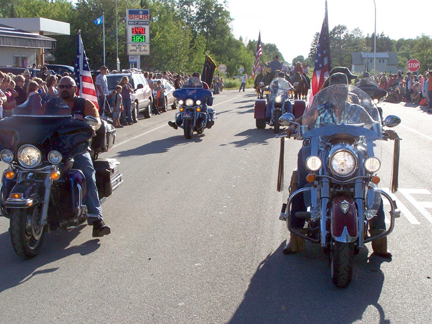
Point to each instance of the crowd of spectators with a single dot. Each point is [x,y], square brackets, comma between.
[413,88]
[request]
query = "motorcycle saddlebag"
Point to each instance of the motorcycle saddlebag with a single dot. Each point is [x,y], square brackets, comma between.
[260,109]
[299,108]
[104,139]
[108,176]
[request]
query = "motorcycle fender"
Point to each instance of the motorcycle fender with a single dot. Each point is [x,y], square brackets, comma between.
[30,193]
[344,223]
[260,109]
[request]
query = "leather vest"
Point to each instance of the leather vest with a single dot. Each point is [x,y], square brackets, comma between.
[78,108]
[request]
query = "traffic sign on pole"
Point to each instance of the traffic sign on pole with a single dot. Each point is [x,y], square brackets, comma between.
[413,65]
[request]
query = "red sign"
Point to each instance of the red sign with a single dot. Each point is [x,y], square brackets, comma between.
[413,65]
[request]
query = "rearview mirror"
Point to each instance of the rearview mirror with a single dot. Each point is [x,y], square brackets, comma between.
[287,119]
[92,121]
[391,121]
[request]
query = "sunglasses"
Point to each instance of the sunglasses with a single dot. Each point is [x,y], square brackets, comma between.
[65,86]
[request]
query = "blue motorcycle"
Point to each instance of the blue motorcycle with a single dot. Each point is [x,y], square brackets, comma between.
[194,114]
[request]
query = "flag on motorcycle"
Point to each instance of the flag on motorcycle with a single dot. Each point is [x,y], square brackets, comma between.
[208,70]
[82,74]
[322,66]
[258,54]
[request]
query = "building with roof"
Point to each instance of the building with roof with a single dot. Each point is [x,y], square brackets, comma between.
[25,41]
[364,61]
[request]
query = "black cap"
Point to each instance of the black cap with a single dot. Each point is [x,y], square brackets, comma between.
[338,78]
[344,70]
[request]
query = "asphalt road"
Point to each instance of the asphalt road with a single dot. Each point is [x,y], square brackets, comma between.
[196,237]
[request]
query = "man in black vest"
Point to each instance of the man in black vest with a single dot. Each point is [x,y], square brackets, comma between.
[80,108]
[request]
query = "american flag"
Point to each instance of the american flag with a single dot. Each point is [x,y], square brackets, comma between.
[258,54]
[83,78]
[322,61]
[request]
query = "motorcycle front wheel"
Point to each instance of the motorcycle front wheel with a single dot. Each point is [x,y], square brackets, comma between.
[187,127]
[26,231]
[277,114]
[341,263]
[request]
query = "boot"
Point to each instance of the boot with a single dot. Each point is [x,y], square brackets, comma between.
[296,243]
[379,246]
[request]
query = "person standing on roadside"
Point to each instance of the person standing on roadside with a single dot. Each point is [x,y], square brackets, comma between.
[243,83]
[429,90]
[19,88]
[102,87]
[126,116]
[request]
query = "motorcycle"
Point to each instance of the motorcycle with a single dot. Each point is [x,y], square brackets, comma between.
[40,189]
[340,129]
[278,100]
[194,114]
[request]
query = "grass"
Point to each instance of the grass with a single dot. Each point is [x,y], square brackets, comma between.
[235,83]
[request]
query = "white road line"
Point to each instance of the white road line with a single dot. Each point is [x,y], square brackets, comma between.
[164,125]
[407,193]
[405,211]
[414,131]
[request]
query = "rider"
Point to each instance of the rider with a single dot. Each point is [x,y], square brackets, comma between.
[274,86]
[80,108]
[196,82]
[275,65]
[297,243]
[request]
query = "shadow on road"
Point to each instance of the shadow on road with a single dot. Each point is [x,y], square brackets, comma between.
[15,271]
[253,136]
[298,289]
[163,145]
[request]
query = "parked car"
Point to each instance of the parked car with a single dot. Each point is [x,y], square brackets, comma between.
[169,99]
[20,70]
[142,99]
[60,69]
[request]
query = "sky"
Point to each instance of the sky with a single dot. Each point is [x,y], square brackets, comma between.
[291,24]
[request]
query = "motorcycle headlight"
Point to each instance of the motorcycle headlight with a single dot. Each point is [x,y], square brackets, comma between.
[313,163]
[189,102]
[278,99]
[29,156]
[55,157]
[343,163]
[180,102]
[372,164]
[7,156]
[198,102]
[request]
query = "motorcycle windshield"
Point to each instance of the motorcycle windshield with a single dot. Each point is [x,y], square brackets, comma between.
[54,130]
[193,82]
[369,86]
[279,87]
[342,105]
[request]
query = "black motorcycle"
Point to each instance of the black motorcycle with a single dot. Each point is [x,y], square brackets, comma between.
[40,190]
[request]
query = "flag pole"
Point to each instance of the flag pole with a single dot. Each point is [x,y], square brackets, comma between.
[103,28]
[80,64]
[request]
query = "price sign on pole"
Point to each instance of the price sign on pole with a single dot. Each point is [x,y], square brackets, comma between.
[138,31]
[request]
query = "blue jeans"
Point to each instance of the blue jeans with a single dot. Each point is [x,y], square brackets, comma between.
[84,163]
[301,201]
[127,103]
[429,94]
[242,86]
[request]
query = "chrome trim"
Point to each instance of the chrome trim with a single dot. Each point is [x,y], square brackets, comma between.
[345,237]
[394,213]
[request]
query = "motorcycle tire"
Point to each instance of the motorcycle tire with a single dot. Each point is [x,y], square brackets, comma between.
[260,124]
[187,127]
[276,126]
[26,232]
[342,263]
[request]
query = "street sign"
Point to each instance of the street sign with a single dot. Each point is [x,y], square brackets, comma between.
[222,68]
[413,65]
[138,31]
[241,69]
